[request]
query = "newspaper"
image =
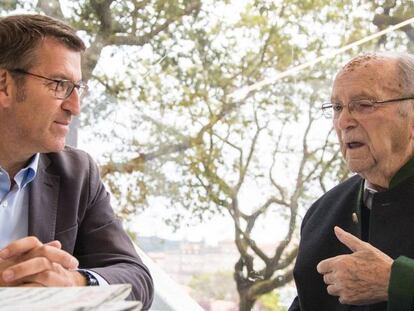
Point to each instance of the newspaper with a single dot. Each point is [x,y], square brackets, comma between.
[108,298]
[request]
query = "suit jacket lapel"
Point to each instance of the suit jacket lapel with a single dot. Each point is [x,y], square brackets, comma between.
[43,202]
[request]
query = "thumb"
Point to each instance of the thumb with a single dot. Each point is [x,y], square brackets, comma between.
[349,240]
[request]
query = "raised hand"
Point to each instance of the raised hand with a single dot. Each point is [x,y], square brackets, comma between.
[358,278]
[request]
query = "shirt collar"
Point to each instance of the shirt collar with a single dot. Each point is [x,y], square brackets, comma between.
[368,187]
[23,177]
[368,193]
[29,172]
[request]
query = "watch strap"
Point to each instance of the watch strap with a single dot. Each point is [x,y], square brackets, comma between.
[89,277]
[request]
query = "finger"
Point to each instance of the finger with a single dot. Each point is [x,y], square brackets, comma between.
[26,268]
[328,278]
[55,255]
[325,266]
[332,290]
[349,240]
[57,276]
[29,285]
[19,247]
[342,300]
[55,243]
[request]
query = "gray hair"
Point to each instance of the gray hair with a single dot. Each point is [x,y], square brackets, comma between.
[406,73]
[405,63]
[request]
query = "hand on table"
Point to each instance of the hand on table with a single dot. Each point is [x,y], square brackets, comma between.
[27,261]
[358,278]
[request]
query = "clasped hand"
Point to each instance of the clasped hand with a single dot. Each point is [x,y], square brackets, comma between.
[28,262]
[358,278]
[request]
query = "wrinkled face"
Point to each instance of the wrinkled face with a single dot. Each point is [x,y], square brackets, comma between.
[379,142]
[37,121]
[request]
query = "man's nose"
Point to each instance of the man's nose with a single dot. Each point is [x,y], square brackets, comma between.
[345,119]
[72,103]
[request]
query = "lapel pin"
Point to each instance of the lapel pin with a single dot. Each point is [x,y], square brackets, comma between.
[354,218]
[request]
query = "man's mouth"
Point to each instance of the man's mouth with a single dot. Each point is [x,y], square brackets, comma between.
[65,123]
[354,144]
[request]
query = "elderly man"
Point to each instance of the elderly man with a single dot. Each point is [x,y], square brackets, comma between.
[57,227]
[357,239]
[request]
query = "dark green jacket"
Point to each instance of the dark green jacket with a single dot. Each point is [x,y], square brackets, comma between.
[391,230]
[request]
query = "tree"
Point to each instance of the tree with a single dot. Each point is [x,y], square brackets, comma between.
[270,302]
[205,146]
[218,285]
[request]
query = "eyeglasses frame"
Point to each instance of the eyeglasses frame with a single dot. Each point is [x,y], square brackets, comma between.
[328,114]
[81,86]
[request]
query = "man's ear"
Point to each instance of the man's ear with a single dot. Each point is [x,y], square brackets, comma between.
[5,88]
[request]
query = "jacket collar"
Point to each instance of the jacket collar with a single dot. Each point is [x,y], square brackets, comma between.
[43,202]
[406,171]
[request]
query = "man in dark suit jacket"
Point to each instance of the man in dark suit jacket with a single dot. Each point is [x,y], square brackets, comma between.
[357,247]
[57,227]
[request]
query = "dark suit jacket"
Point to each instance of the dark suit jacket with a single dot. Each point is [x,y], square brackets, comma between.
[69,203]
[391,230]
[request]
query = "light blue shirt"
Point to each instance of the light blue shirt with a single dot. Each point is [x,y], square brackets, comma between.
[14,206]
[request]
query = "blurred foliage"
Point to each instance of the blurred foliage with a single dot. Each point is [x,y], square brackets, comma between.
[216,286]
[271,302]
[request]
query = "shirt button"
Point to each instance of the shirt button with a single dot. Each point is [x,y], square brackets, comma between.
[4,204]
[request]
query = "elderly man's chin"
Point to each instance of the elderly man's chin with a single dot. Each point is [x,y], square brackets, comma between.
[359,166]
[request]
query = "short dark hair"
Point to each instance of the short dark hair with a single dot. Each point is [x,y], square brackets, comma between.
[20,35]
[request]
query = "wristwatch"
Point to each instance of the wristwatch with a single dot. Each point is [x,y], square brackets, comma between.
[90,279]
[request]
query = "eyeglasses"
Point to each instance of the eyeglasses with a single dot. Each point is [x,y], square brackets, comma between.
[63,88]
[359,107]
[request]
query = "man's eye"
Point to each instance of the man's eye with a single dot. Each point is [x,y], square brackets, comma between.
[337,107]
[363,105]
[62,86]
[51,84]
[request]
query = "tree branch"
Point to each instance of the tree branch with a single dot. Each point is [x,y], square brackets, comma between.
[261,287]
[382,21]
[132,39]
[243,168]
[51,8]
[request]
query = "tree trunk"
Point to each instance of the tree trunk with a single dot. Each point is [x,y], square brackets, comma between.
[245,303]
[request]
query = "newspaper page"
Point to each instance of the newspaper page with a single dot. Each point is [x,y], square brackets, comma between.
[109,298]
